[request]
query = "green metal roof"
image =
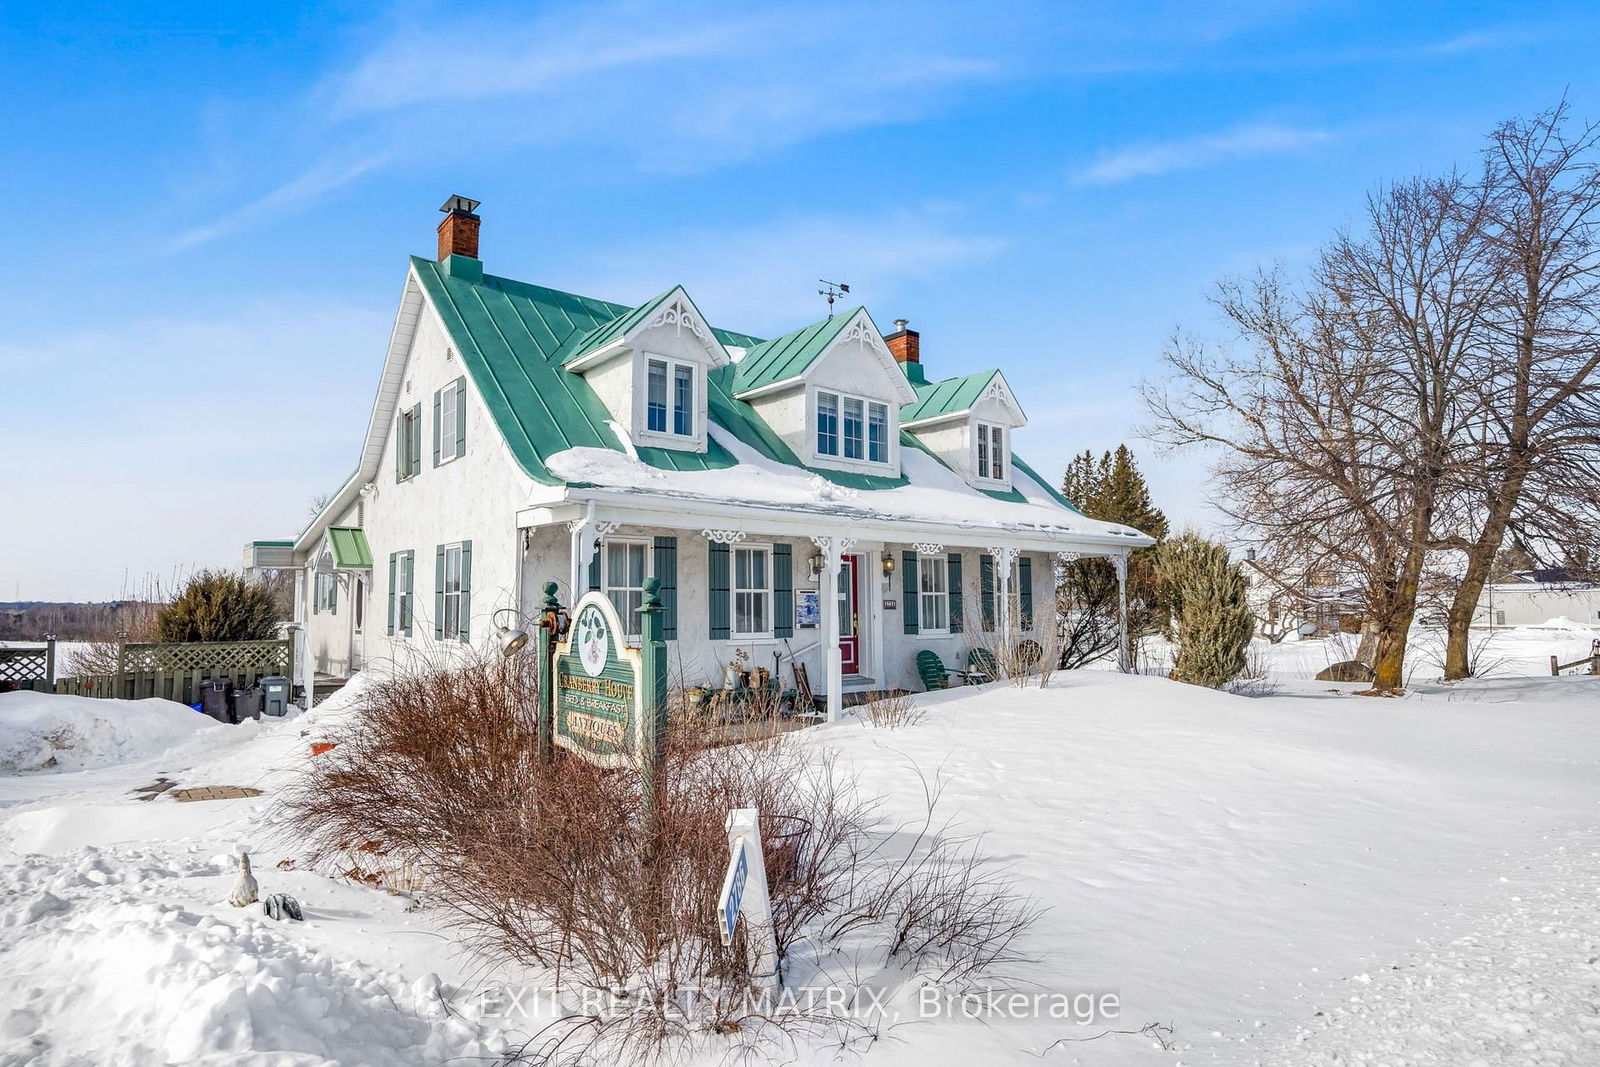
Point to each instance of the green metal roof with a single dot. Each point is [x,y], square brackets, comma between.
[273,544]
[513,339]
[788,356]
[947,397]
[350,549]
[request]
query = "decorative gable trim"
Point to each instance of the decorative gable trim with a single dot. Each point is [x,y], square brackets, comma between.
[997,389]
[859,331]
[674,309]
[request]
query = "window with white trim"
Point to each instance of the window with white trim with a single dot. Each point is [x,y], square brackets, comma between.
[622,573]
[452,591]
[852,427]
[992,451]
[669,397]
[752,591]
[327,599]
[450,402]
[933,594]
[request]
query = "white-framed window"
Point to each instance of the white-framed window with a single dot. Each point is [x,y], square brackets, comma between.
[452,591]
[327,593]
[449,440]
[670,388]
[408,443]
[992,452]
[933,594]
[852,427]
[622,573]
[752,591]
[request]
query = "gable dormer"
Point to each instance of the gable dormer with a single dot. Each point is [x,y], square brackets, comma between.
[967,422]
[832,391]
[649,366]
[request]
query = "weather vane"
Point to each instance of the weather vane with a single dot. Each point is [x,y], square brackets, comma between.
[832,290]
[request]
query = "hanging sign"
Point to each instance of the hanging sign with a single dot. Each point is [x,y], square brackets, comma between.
[601,687]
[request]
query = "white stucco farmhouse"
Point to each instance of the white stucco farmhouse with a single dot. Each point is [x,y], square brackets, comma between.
[815,494]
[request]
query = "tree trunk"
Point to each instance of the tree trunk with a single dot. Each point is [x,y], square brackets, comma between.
[1480,561]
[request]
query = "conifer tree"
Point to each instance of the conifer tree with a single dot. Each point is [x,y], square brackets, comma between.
[1111,489]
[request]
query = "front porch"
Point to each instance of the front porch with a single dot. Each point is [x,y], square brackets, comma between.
[840,604]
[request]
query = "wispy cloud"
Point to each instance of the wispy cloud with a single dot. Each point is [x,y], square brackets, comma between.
[1187,153]
[305,188]
[769,285]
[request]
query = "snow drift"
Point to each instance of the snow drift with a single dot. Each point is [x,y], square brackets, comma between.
[48,731]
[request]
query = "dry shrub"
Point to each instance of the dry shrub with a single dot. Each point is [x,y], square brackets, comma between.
[558,866]
[890,711]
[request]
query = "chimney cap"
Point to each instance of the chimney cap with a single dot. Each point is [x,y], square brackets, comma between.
[463,204]
[901,324]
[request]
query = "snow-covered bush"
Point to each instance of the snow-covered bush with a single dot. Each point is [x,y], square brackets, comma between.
[1206,593]
[558,866]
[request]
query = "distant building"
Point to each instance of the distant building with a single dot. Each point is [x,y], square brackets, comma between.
[1536,596]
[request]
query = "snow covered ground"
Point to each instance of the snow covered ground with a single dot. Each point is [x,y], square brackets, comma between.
[1306,877]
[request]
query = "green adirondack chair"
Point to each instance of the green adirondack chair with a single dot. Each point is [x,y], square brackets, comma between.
[981,667]
[932,671]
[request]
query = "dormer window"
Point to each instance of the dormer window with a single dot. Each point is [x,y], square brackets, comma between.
[669,397]
[852,427]
[992,452]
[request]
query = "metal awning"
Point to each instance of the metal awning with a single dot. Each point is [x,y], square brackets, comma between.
[350,549]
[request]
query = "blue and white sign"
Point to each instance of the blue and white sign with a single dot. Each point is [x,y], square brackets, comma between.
[733,892]
[744,892]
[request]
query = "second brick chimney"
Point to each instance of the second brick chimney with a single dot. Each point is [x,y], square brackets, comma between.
[904,344]
[458,233]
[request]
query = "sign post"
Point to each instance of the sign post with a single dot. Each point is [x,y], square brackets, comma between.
[549,630]
[744,892]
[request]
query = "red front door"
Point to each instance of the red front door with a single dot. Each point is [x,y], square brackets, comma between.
[849,621]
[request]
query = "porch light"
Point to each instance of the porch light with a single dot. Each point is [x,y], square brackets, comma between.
[512,641]
[816,566]
[888,564]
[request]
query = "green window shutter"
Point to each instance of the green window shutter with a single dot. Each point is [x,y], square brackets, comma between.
[438,593]
[392,569]
[316,593]
[718,590]
[594,567]
[909,584]
[1025,585]
[408,589]
[436,427]
[416,438]
[461,417]
[986,588]
[333,594]
[957,598]
[666,572]
[466,591]
[782,591]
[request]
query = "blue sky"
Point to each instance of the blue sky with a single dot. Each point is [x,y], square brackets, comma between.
[208,207]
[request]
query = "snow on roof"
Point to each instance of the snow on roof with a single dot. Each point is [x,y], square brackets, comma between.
[935,494]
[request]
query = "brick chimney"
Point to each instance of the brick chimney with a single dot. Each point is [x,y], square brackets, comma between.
[458,233]
[906,345]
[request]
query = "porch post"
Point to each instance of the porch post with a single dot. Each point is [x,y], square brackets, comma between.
[1120,562]
[305,582]
[1003,560]
[833,550]
[585,532]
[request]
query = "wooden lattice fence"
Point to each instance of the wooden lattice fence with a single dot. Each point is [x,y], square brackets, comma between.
[29,668]
[176,671]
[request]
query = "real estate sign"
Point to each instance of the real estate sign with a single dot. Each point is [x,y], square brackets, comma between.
[609,697]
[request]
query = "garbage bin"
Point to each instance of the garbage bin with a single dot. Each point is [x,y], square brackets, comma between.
[247,703]
[275,695]
[216,699]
